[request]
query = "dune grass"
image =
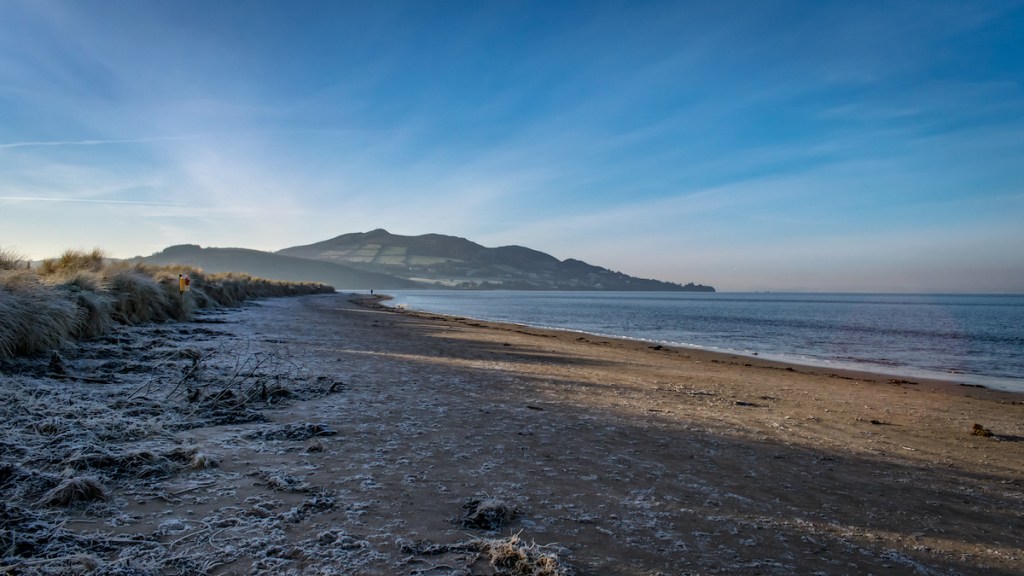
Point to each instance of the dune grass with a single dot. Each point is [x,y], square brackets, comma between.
[33,316]
[83,295]
[11,260]
[73,260]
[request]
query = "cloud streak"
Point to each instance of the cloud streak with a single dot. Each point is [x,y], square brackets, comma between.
[53,199]
[94,142]
[184,137]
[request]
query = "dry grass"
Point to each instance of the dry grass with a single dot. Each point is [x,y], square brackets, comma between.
[140,298]
[202,461]
[73,261]
[498,557]
[74,490]
[11,260]
[33,316]
[513,557]
[83,295]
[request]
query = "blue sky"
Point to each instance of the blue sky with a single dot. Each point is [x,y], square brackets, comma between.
[749,145]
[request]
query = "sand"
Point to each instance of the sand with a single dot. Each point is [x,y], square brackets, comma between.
[375,442]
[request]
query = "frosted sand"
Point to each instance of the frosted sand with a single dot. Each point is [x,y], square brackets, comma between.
[618,457]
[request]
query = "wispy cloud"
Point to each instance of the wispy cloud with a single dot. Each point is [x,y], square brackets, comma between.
[83,200]
[94,142]
[183,137]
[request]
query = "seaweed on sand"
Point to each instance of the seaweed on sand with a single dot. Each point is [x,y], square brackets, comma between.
[282,481]
[296,432]
[979,430]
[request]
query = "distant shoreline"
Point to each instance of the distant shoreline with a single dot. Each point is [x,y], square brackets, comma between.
[718,356]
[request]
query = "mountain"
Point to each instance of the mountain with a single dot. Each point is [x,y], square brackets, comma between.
[452,262]
[277,267]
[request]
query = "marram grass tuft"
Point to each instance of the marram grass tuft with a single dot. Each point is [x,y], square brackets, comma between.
[82,295]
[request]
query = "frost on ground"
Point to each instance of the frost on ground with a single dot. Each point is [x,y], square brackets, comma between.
[313,436]
[112,464]
[105,424]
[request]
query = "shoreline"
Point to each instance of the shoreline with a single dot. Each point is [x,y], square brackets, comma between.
[718,356]
[907,370]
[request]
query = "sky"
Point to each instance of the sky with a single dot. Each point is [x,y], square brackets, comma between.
[759,145]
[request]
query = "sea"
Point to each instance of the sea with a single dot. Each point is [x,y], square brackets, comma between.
[968,339]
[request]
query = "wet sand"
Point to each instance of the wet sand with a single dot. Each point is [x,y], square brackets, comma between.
[617,456]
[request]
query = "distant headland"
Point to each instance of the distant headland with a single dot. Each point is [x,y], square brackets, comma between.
[382,260]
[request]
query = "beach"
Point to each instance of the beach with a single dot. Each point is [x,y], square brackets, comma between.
[322,435]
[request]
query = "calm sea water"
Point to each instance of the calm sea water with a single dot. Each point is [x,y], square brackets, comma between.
[973,339]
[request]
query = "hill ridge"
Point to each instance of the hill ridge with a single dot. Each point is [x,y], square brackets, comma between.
[454,262]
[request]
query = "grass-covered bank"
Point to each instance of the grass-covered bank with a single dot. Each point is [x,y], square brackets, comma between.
[83,294]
